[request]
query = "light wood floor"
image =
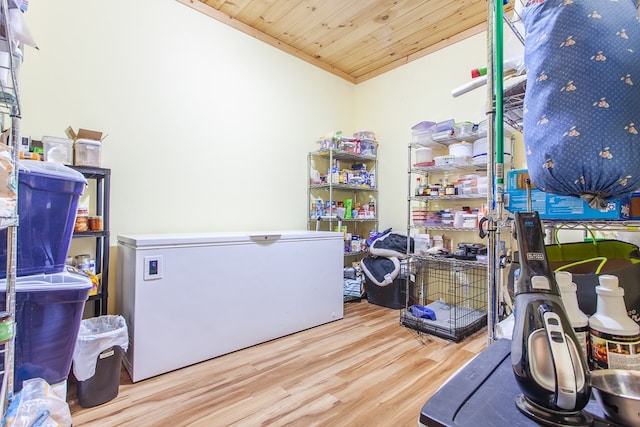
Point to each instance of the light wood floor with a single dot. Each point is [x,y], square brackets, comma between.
[363,370]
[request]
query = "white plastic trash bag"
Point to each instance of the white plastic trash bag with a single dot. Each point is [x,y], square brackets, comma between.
[37,405]
[96,335]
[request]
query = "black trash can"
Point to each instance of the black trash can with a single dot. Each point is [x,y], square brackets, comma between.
[104,385]
[97,359]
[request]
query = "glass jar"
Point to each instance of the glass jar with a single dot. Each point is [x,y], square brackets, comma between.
[83,262]
[82,221]
[95,223]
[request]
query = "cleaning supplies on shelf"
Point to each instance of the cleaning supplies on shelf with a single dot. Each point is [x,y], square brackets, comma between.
[579,321]
[613,336]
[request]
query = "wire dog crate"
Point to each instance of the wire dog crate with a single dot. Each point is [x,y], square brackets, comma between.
[455,291]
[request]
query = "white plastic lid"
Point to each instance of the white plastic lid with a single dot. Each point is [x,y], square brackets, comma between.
[50,170]
[56,140]
[466,145]
[564,279]
[609,286]
[69,279]
[87,141]
[570,299]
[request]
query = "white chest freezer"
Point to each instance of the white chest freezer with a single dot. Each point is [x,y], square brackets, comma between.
[191,297]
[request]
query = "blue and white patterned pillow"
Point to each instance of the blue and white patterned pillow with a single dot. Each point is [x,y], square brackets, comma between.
[582,104]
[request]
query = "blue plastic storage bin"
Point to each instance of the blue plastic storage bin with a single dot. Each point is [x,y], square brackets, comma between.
[49,310]
[48,195]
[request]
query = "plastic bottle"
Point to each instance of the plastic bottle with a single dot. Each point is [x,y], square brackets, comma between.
[335,176]
[579,320]
[613,336]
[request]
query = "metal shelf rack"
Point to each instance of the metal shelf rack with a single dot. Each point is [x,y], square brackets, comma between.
[10,108]
[341,187]
[102,179]
[331,192]
[454,286]
[612,225]
[470,196]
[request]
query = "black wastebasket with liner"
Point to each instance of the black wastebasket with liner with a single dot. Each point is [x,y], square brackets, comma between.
[97,358]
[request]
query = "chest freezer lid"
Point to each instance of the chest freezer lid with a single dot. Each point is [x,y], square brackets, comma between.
[179,239]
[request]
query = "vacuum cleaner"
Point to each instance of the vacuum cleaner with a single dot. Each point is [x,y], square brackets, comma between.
[548,365]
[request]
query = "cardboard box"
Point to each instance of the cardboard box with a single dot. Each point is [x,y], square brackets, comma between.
[8,201]
[553,206]
[517,180]
[84,134]
[634,206]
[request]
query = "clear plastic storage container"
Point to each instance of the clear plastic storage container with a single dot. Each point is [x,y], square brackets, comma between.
[57,150]
[87,152]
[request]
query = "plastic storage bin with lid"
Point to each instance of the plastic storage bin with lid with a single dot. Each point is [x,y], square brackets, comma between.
[480,151]
[421,133]
[87,152]
[49,309]
[49,298]
[57,150]
[48,195]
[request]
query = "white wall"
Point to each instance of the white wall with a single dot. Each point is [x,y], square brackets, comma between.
[421,90]
[208,127]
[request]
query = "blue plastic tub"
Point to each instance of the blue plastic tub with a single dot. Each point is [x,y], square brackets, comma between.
[48,195]
[49,310]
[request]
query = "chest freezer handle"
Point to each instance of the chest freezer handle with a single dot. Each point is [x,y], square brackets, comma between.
[265,237]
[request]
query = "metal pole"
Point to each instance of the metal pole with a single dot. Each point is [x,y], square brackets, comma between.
[499,151]
[407,279]
[12,231]
[495,156]
[490,173]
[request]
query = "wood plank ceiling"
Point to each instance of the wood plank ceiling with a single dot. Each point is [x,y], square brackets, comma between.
[353,39]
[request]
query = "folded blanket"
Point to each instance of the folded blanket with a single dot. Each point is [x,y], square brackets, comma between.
[422,312]
[381,271]
[352,288]
[391,245]
[350,273]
